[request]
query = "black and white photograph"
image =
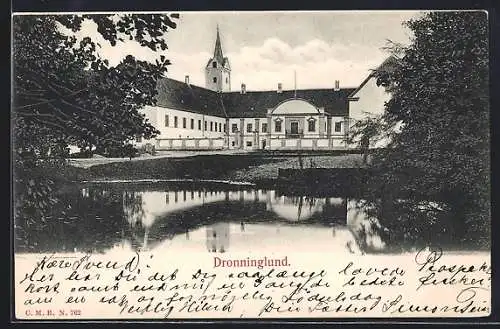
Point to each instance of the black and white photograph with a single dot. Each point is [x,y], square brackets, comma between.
[241,139]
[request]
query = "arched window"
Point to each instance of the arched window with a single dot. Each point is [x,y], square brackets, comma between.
[215,80]
[277,125]
[214,64]
[311,125]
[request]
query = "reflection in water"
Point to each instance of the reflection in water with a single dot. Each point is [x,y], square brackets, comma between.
[218,237]
[222,221]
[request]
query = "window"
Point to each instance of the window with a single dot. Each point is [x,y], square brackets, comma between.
[175,122]
[277,126]
[206,125]
[192,123]
[199,124]
[138,138]
[167,198]
[249,143]
[264,127]
[214,65]
[211,126]
[232,143]
[184,123]
[234,127]
[311,125]
[249,127]
[225,128]
[220,127]
[227,80]
[166,120]
[338,127]
[214,79]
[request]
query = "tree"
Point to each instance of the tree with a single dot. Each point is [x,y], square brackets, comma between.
[439,88]
[65,94]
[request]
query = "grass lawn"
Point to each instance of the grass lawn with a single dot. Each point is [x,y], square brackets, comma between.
[242,167]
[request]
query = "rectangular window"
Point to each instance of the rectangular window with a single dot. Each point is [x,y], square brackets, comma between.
[184,123]
[166,120]
[264,127]
[211,126]
[338,127]
[206,125]
[175,122]
[232,143]
[220,127]
[249,127]
[249,143]
[311,125]
[138,139]
[225,128]
[192,123]
[277,126]
[234,127]
[199,124]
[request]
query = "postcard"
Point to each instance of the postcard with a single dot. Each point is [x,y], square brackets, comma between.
[251,165]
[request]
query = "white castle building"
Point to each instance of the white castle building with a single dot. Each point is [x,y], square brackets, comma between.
[213,117]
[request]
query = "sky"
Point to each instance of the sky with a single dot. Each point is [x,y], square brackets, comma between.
[266,48]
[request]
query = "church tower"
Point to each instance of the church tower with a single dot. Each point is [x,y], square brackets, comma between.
[218,70]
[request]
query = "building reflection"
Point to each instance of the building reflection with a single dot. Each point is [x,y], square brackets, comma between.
[218,237]
[146,207]
[142,210]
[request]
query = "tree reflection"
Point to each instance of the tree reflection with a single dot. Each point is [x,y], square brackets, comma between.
[83,220]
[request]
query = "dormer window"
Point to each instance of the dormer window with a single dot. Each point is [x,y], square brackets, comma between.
[214,65]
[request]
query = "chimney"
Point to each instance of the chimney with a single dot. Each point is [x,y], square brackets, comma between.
[243,88]
[186,79]
[280,88]
[337,85]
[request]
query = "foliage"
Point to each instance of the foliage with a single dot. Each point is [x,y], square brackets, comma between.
[65,94]
[440,101]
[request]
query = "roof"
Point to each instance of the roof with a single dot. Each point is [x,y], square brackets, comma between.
[256,103]
[181,96]
[387,65]
[178,95]
[218,48]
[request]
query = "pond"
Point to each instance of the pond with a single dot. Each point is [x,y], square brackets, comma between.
[99,218]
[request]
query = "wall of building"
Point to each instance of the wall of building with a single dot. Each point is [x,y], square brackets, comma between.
[189,125]
[371,102]
[192,131]
[248,133]
[240,138]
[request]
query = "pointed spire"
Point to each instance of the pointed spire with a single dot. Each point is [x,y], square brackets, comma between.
[218,48]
